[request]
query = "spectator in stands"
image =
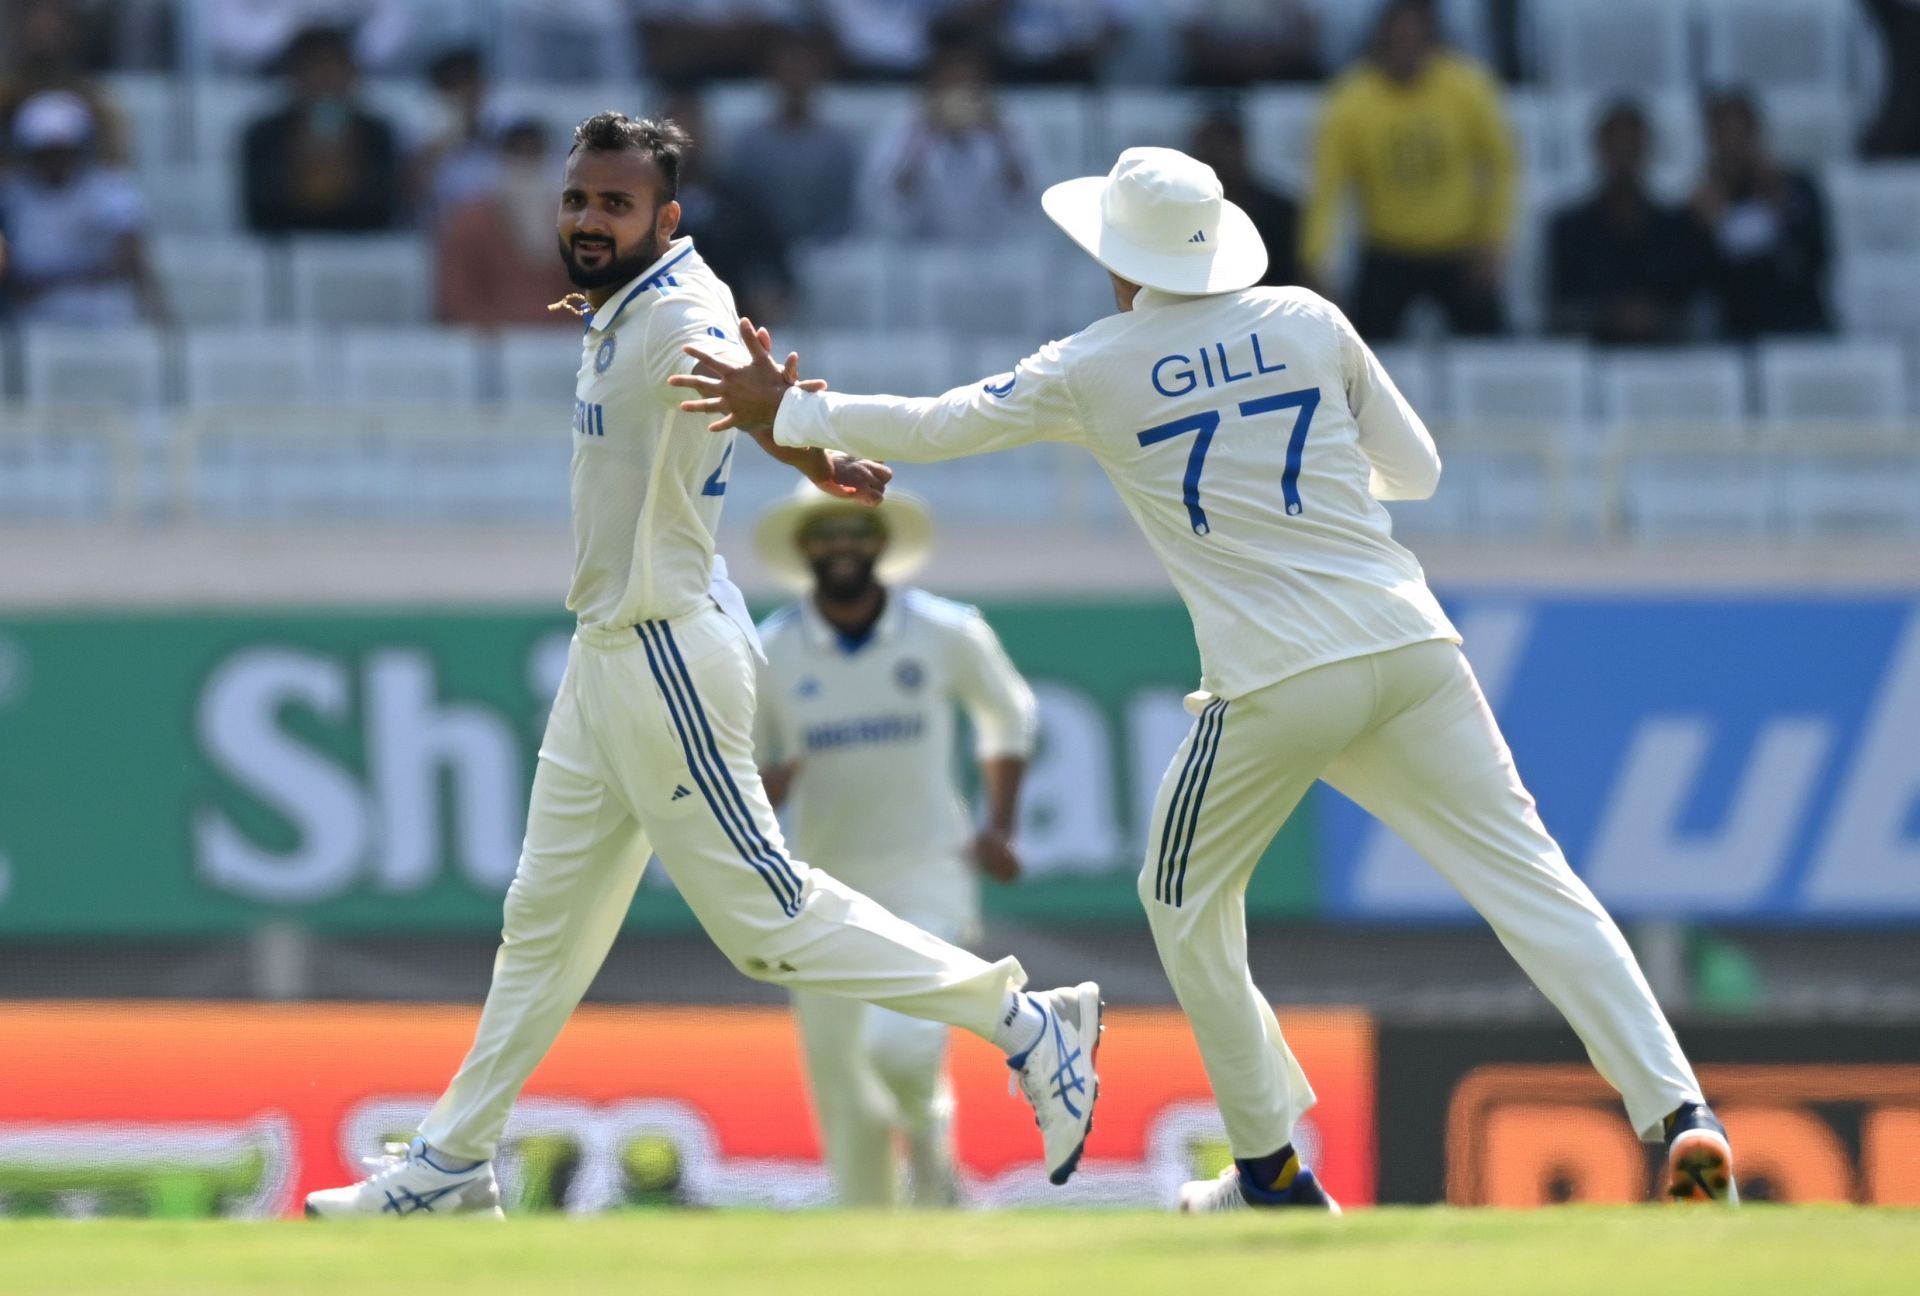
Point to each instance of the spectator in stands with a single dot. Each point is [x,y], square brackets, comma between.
[882,38]
[1220,141]
[77,229]
[720,38]
[323,162]
[1765,228]
[954,170]
[497,260]
[459,156]
[46,50]
[734,234]
[1039,40]
[1416,131]
[1620,263]
[798,168]
[249,35]
[1895,131]
[564,40]
[1237,42]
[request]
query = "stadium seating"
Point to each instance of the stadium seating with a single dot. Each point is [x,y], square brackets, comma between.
[272,367]
[1829,382]
[1778,43]
[438,367]
[124,367]
[369,279]
[1543,383]
[1618,46]
[1875,208]
[209,280]
[1701,388]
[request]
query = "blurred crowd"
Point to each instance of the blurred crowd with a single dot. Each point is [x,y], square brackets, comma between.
[1412,147]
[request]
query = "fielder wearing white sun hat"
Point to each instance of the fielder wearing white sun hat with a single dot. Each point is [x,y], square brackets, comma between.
[1159,219]
[908,525]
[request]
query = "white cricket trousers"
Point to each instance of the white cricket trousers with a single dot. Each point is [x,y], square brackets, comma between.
[1408,735]
[649,749]
[875,1077]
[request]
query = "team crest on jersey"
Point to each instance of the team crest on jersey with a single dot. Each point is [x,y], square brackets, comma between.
[909,675]
[604,356]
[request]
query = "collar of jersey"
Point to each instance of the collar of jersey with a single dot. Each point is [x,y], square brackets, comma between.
[824,635]
[605,318]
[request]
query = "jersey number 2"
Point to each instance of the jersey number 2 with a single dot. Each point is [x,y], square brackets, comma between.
[714,485]
[1203,424]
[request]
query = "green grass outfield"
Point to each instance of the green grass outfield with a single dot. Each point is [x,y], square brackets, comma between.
[1633,1251]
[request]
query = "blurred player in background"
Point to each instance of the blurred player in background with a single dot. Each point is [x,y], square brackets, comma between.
[649,747]
[854,725]
[1252,434]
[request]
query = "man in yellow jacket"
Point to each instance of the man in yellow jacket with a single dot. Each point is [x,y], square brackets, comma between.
[1417,133]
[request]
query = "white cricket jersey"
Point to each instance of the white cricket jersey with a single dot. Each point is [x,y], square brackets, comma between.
[648,480]
[1251,435]
[870,730]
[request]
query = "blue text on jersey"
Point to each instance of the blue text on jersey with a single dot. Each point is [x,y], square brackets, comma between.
[1186,378]
[589,418]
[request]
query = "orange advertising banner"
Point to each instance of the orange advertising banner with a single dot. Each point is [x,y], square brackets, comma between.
[240,1109]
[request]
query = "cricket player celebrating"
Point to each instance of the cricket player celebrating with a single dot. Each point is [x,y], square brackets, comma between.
[855,724]
[649,747]
[1251,433]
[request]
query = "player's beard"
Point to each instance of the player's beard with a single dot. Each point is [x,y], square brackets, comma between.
[843,578]
[617,269]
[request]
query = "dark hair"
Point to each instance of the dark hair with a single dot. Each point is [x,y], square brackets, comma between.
[664,140]
[319,40]
[1622,112]
[1733,99]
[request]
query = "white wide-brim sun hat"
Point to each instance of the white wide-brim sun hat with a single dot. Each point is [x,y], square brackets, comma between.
[908,524]
[1161,220]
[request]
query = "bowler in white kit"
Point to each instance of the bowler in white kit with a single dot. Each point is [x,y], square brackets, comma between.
[855,732]
[1252,433]
[649,747]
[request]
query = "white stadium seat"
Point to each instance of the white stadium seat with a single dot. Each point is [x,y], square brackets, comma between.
[197,198]
[844,285]
[210,281]
[1535,382]
[1625,45]
[1875,208]
[219,110]
[1282,127]
[360,279]
[1698,388]
[1000,292]
[1777,42]
[1138,118]
[152,119]
[253,366]
[1878,294]
[120,366]
[899,362]
[539,366]
[1807,127]
[1056,126]
[1832,382]
[442,366]
[1414,372]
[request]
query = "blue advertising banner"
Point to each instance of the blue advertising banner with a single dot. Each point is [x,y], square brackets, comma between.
[1749,759]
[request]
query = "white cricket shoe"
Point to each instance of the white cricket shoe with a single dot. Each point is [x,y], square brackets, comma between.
[1057,1075]
[1227,1193]
[406,1181]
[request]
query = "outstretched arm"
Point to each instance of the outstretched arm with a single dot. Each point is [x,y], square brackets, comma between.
[1032,403]
[833,472]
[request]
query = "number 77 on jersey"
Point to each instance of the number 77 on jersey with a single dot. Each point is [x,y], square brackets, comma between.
[1203,426]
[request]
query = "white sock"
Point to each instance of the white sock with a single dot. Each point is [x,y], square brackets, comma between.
[1020,1024]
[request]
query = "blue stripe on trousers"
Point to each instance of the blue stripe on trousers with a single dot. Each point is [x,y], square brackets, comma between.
[1199,798]
[702,772]
[1176,809]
